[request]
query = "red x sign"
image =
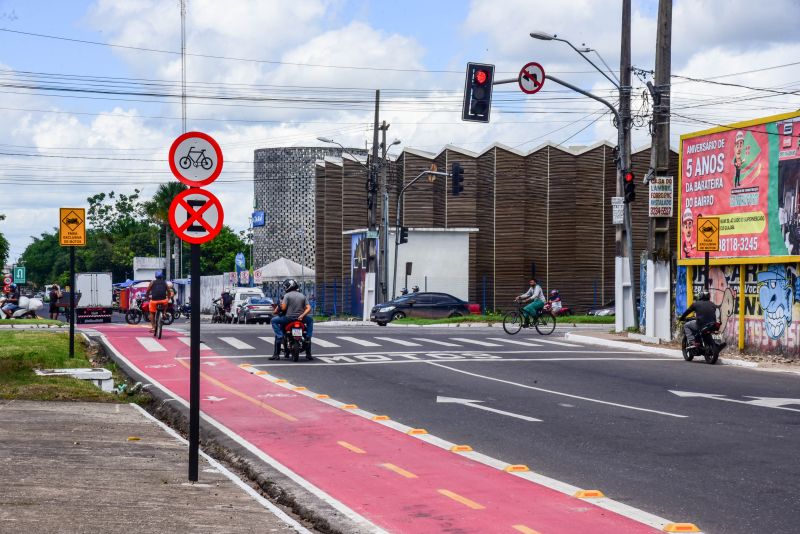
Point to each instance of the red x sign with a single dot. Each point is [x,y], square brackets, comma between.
[196,216]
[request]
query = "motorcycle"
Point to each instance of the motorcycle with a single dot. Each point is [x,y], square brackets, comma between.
[221,314]
[295,340]
[711,344]
[27,308]
[185,310]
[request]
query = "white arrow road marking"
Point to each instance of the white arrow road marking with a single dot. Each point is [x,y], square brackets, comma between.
[362,342]
[473,404]
[212,398]
[236,343]
[766,402]
[436,342]
[474,342]
[556,392]
[402,342]
[514,342]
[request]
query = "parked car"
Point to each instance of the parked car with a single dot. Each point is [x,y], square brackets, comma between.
[421,305]
[240,295]
[606,309]
[255,310]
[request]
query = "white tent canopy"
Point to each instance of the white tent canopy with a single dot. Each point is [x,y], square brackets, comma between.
[281,269]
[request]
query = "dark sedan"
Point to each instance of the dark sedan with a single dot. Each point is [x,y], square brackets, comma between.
[420,305]
[255,310]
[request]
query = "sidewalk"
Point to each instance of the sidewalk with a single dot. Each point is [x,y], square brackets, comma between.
[91,467]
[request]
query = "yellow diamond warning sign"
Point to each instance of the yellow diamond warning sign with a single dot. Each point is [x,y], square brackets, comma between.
[708,234]
[72,231]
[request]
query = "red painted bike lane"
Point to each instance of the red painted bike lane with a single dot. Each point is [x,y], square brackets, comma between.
[396,481]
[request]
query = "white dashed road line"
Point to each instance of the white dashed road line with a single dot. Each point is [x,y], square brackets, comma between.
[270,340]
[402,342]
[561,343]
[322,343]
[188,341]
[357,341]
[236,343]
[514,342]
[150,344]
[475,342]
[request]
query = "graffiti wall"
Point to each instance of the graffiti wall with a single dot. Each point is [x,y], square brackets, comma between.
[771,305]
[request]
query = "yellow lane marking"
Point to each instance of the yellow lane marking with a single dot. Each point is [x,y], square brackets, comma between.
[399,470]
[463,500]
[525,530]
[244,396]
[351,447]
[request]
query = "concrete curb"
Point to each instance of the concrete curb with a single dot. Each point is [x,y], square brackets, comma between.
[663,351]
[272,483]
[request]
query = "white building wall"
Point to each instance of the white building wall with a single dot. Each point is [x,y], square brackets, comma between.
[440,260]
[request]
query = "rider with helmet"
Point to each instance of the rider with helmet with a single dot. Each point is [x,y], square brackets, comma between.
[404,291]
[415,289]
[12,301]
[555,301]
[705,313]
[294,306]
[158,293]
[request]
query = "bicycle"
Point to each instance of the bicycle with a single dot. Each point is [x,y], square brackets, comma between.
[516,320]
[159,321]
[200,161]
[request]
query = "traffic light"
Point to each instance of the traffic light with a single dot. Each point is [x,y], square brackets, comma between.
[630,187]
[457,175]
[478,92]
[403,235]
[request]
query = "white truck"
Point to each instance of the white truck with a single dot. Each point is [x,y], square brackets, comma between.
[96,297]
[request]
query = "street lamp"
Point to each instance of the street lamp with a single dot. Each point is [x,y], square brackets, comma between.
[622,119]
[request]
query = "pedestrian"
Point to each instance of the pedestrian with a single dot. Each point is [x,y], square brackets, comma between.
[55,296]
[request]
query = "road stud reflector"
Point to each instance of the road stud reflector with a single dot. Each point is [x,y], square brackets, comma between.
[589,494]
[244,365]
[349,407]
[281,381]
[322,396]
[517,468]
[260,373]
[460,448]
[380,418]
[300,388]
[134,438]
[417,432]
[681,527]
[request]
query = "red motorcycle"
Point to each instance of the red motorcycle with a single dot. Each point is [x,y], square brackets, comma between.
[295,340]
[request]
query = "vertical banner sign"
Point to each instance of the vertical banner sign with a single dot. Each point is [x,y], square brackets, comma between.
[748,175]
[196,216]
[660,198]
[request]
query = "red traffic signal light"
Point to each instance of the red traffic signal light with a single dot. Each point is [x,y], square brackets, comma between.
[628,176]
[481,77]
[630,187]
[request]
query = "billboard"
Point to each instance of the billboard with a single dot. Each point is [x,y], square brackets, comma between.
[748,175]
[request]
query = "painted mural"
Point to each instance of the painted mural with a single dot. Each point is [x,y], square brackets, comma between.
[771,305]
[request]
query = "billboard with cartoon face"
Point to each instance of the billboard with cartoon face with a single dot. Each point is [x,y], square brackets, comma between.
[748,175]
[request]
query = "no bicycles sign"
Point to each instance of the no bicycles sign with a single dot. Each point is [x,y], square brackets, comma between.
[195,159]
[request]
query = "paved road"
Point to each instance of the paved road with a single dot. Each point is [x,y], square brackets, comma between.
[591,417]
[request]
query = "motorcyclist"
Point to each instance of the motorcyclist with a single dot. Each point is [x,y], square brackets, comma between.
[158,293]
[555,301]
[227,300]
[415,289]
[12,301]
[294,306]
[535,299]
[404,291]
[705,313]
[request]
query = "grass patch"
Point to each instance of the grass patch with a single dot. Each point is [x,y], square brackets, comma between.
[22,351]
[498,318]
[14,322]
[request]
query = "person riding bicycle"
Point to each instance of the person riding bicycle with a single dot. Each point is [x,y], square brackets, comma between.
[535,299]
[705,313]
[294,306]
[158,293]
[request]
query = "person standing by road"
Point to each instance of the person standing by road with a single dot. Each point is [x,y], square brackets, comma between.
[294,306]
[54,296]
[535,299]
[158,293]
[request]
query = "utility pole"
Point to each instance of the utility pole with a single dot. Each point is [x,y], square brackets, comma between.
[625,300]
[384,265]
[372,190]
[658,300]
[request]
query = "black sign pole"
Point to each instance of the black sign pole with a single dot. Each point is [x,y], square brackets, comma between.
[72,302]
[707,272]
[194,365]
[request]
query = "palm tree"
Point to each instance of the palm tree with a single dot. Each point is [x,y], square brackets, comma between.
[157,208]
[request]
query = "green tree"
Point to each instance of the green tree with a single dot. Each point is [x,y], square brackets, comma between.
[4,246]
[45,259]
[218,255]
[157,209]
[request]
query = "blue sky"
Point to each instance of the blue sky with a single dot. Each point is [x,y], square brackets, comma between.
[712,38]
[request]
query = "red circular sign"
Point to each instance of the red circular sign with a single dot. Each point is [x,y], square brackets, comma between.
[189,161]
[531,78]
[196,216]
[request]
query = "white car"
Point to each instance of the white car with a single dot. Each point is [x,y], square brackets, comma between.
[241,294]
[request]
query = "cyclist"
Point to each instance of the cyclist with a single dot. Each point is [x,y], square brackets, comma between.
[293,307]
[705,313]
[158,293]
[535,299]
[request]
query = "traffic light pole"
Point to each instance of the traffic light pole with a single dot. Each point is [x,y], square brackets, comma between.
[397,222]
